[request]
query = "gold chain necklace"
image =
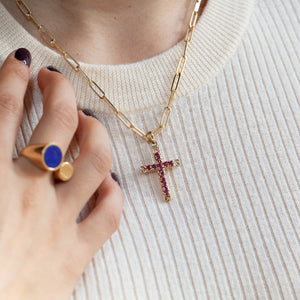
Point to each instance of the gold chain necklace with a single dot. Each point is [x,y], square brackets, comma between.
[160,166]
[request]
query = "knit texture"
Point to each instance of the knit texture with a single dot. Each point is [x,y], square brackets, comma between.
[232,228]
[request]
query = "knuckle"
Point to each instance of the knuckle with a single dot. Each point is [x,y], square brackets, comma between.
[65,115]
[9,104]
[100,158]
[99,150]
[54,79]
[98,129]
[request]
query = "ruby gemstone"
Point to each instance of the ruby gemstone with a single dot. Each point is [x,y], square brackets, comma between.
[166,190]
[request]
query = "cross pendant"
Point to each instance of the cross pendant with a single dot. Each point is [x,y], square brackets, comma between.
[159,167]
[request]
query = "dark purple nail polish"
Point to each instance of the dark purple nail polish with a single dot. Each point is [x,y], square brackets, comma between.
[51,68]
[24,56]
[115,178]
[89,113]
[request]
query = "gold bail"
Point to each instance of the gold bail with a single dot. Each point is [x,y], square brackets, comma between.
[150,138]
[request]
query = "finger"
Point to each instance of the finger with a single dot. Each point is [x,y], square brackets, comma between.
[104,220]
[59,120]
[90,168]
[14,77]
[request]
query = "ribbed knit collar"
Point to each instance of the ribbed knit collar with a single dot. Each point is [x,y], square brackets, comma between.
[145,84]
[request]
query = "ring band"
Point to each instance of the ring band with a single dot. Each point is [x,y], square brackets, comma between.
[49,157]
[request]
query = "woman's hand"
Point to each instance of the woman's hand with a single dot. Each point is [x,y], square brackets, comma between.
[43,251]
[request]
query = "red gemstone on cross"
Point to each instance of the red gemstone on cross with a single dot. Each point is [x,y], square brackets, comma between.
[160,168]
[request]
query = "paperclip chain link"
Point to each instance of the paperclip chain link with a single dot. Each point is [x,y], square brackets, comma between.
[75,65]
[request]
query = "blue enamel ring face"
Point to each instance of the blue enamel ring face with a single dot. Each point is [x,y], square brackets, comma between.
[52,156]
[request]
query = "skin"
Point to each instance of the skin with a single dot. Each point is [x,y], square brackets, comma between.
[123,31]
[43,251]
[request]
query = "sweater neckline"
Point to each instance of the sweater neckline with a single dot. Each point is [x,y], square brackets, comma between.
[146,84]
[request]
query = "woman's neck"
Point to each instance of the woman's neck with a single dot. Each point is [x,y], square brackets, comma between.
[110,31]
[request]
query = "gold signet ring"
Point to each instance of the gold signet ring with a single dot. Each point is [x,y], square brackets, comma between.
[49,157]
[45,156]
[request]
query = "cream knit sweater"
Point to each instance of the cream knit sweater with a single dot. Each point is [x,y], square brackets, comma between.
[232,229]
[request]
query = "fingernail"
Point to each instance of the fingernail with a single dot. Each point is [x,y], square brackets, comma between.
[89,113]
[51,68]
[24,56]
[115,178]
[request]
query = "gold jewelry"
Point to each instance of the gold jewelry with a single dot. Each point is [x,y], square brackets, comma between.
[65,172]
[49,157]
[160,168]
[147,136]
